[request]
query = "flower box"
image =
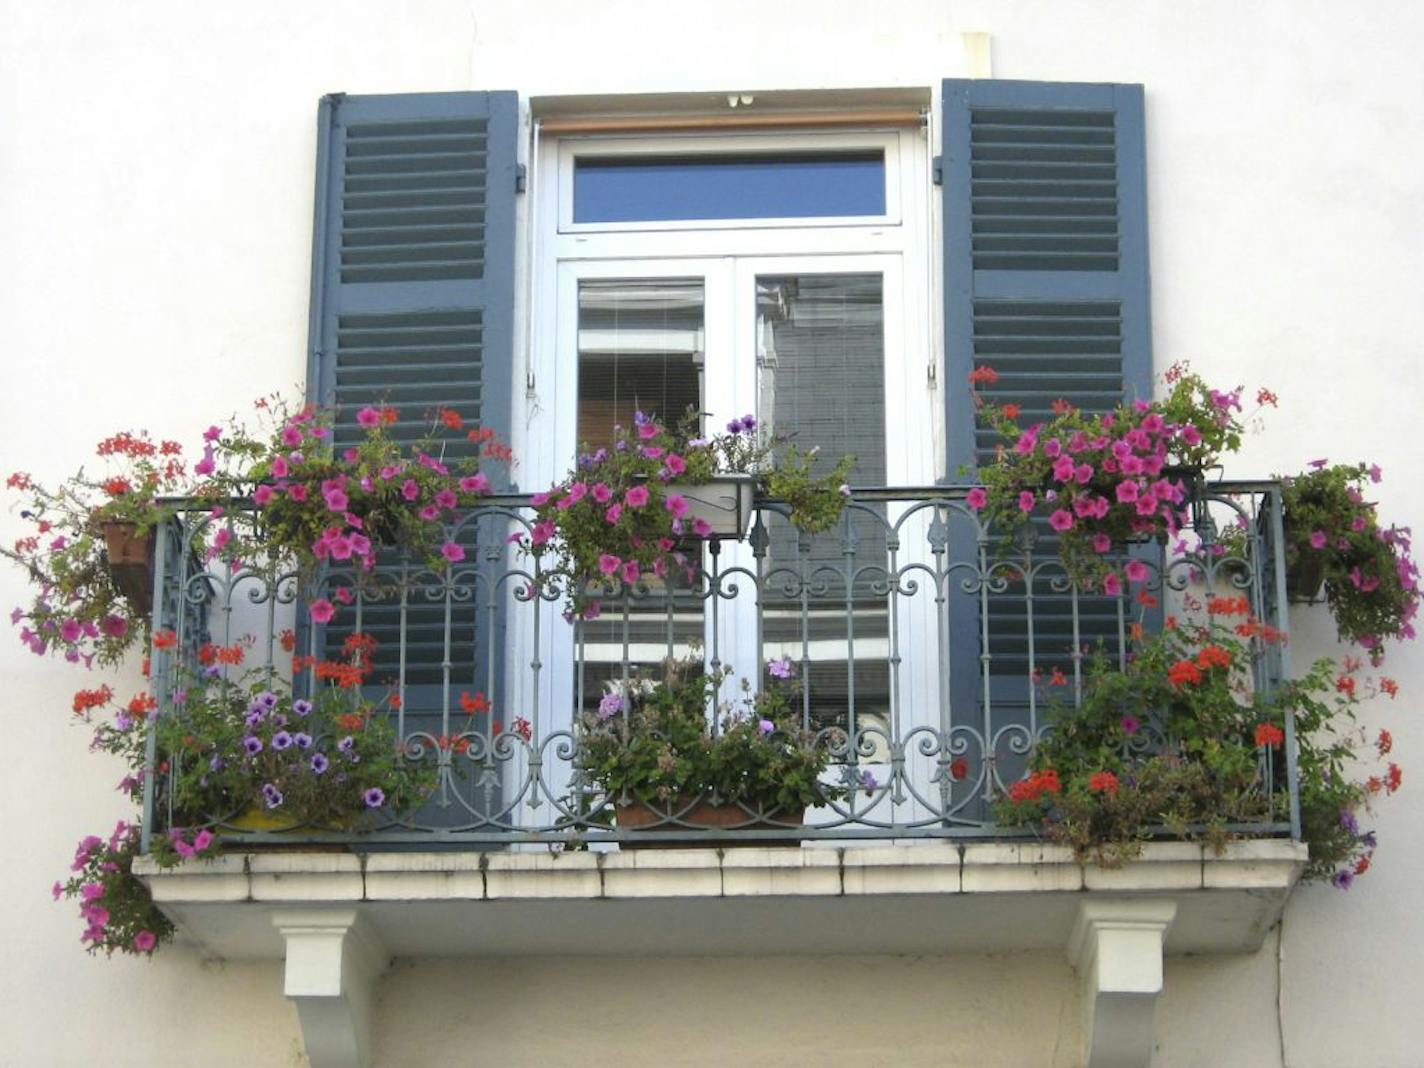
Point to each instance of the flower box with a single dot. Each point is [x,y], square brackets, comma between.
[1304,578]
[703,815]
[725,503]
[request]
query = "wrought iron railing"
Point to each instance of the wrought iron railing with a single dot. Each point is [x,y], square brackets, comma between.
[925,655]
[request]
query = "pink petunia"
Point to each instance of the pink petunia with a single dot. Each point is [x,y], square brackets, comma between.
[977,498]
[1026,501]
[609,564]
[1112,585]
[701,527]
[369,417]
[291,436]
[1318,539]
[1061,520]
[1127,491]
[648,431]
[636,497]
[478,483]
[453,551]
[631,571]
[446,498]
[410,489]
[677,465]
[677,504]
[322,611]
[1136,571]
[613,514]
[601,493]
[1101,543]
[297,492]
[262,496]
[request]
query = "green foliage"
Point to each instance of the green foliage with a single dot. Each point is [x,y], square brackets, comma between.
[816,501]
[655,743]
[1178,741]
[1370,580]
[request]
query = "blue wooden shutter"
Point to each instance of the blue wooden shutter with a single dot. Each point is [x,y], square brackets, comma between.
[413,306]
[1046,280]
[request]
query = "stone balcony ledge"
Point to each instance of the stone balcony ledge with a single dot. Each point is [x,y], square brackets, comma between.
[913,898]
[338,918]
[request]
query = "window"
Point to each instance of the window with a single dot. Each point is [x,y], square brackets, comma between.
[778,274]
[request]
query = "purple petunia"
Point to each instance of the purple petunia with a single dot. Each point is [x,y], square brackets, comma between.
[301,739]
[271,795]
[781,669]
[766,726]
[611,705]
[281,740]
[375,797]
[319,763]
[252,744]
[302,707]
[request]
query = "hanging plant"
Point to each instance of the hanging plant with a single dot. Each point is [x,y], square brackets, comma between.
[1333,534]
[1103,480]
[631,514]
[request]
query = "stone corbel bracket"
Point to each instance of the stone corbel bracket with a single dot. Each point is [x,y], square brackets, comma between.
[333,960]
[1116,948]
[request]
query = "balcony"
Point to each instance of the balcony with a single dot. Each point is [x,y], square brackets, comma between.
[928,659]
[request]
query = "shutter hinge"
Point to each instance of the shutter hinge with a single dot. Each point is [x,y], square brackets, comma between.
[937,170]
[521,178]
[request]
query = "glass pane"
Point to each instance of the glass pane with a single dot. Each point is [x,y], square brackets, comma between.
[782,186]
[639,349]
[821,382]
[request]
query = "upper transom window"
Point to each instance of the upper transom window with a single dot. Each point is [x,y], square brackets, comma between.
[741,180]
[781,185]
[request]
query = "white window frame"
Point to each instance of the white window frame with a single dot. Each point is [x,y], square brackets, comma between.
[563,252]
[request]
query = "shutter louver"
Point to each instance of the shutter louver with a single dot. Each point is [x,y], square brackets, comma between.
[413,306]
[1046,281]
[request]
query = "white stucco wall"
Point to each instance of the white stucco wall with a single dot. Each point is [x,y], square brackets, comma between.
[155,188]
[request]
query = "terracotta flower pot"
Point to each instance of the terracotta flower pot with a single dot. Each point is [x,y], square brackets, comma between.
[703,815]
[131,562]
